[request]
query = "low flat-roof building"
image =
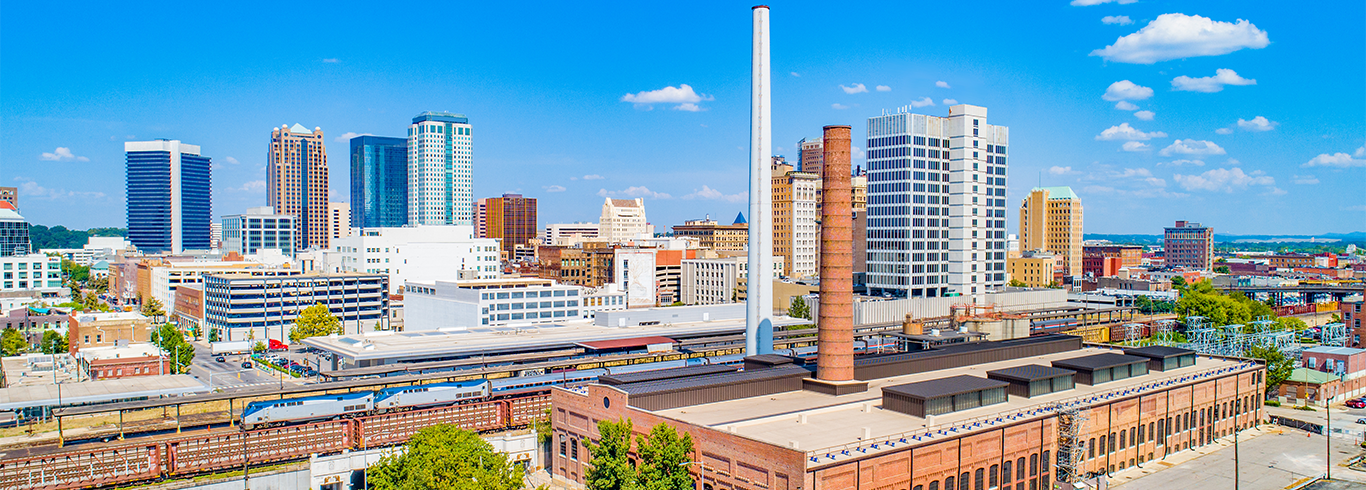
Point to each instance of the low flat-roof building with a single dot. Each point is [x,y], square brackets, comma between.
[928,420]
[235,304]
[107,329]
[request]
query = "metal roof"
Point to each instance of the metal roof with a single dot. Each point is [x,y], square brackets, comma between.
[937,388]
[698,382]
[1159,352]
[1030,372]
[625,343]
[99,391]
[1341,351]
[663,374]
[1098,361]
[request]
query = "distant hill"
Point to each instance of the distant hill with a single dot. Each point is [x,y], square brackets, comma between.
[1329,240]
[58,236]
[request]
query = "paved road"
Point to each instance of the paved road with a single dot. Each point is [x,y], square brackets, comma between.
[1269,457]
[227,375]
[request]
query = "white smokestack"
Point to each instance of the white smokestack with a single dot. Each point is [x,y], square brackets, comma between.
[759,289]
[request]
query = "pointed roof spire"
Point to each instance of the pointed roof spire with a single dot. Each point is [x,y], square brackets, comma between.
[740,219]
[299,128]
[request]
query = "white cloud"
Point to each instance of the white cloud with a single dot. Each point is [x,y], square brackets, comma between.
[857,88]
[593,177]
[1145,115]
[942,84]
[1360,153]
[1339,159]
[1176,36]
[1222,77]
[1223,131]
[1233,161]
[683,95]
[1088,3]
[1116,19]
[554,188]
[1192,147]
[1135,146]
[253,186]
[795,74]
[1274,191]
[1306,179]
[62,154]
[884,88]
[924,101]
[838,106]
[31,190]
[1223,180]
[857,153]
[331,60]
[1126,90]
[1056,170]
[1125,105]
[950,101]
[1135,182]
[634,191]
[1126,132]
[345,137]
[1258,123]
[1178,163]
[231,160]
[707,193]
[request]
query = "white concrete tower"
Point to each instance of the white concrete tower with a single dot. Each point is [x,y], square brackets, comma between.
[759,286]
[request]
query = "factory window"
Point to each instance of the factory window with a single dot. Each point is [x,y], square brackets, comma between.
[992,477]
[934,485]
[1020,469]
[1122,439]
[1102,443]
[1140,432]
[574,449]
[1112,442]
[948,483]
[1005,472]
[963,481]
[979,479]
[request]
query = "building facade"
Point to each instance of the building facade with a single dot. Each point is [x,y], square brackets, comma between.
[41,273]
[1094,258]
[1050,220]
[936,203]
[1189,245]
[1036,269]
[440,170]
[10,195]
[796,233]
[258,229]
[338,220]
[711,235]
[718,281]
[14,231]
[442,304]
[297,182]
[169,196]
[379,181]
[107,329]
[622,219]
[415,253]
[811,155]
[162,278]
[235,305]
[569,234]
[512,219]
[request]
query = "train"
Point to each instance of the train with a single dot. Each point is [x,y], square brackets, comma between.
[349,405]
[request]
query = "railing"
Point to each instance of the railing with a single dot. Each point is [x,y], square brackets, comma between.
[860,448]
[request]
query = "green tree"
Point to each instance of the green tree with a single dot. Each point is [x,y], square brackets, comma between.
[74,272]
[1016,283]
[12,343]
[314,321]
[1221,269]
[611,467]
[1292,324]
[445,456]
[662,458]
[53,342]
[1178,282]
[172,343]
[799,308]
[152,308]
[1201,299]
[213,335]
[1278,366]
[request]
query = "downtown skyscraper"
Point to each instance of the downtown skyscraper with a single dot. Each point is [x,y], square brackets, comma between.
[936,203]
[440,175]
[297,182]
[379,181]
[168,186]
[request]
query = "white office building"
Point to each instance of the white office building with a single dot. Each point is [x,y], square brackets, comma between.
[260,228]
[569,234]
[717,281]
[416,254]
[449,305]
[38,272]
[440,175]
[623,219]
[96,248]
[936,203]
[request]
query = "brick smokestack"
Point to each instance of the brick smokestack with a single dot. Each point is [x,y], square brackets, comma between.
[835,338]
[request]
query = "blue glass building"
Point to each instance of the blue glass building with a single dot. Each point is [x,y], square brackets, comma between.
[379,181]
[169,201]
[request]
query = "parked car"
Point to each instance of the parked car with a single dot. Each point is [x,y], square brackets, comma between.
[220,359]
[246,364]
[1356,403]
[1362,421]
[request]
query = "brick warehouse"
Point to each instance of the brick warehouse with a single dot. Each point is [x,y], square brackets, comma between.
[770,434]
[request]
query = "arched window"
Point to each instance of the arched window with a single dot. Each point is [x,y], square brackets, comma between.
[1091,453]
[949,483]
[1034,464]
[979,479]
[963,481]
[1020,468]
[1005,472]
[993,477]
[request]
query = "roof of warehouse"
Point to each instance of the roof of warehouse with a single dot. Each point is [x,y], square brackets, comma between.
[955,349]
[99,391]
[662,374]
[625,343]
[698,382]
[1031,372]
[952,385]
[1098,361]
[1159,352]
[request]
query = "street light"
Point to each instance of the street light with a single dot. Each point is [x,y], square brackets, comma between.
[701,473]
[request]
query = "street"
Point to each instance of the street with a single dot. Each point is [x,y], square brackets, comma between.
[1269,457]
[228,375]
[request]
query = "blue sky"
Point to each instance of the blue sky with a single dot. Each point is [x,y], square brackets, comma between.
[1247,116]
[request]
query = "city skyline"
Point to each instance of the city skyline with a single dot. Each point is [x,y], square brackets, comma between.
[1149,126]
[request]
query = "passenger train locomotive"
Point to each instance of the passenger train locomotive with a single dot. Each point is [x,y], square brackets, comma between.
[327,407]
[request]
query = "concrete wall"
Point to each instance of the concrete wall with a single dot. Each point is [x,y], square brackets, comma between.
[895,310]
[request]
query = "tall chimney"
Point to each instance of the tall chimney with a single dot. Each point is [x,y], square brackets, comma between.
[835,335]
[759,288]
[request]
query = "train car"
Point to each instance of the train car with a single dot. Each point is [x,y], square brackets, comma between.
[524,384]
[306,409]
[648,366]
[403,397]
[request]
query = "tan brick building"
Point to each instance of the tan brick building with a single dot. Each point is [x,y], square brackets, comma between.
[297,182]
[711,235]
[107,329]
[796,235]
[1051,220]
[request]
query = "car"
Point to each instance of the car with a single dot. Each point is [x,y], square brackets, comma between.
[220,359]
[1362,421]
[1356,403]
[246,364]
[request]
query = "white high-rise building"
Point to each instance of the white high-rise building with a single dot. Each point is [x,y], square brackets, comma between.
[260,228]
[440,176]
[416,253]
[936,203]
[622,219]
[338,219]
[569,234]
